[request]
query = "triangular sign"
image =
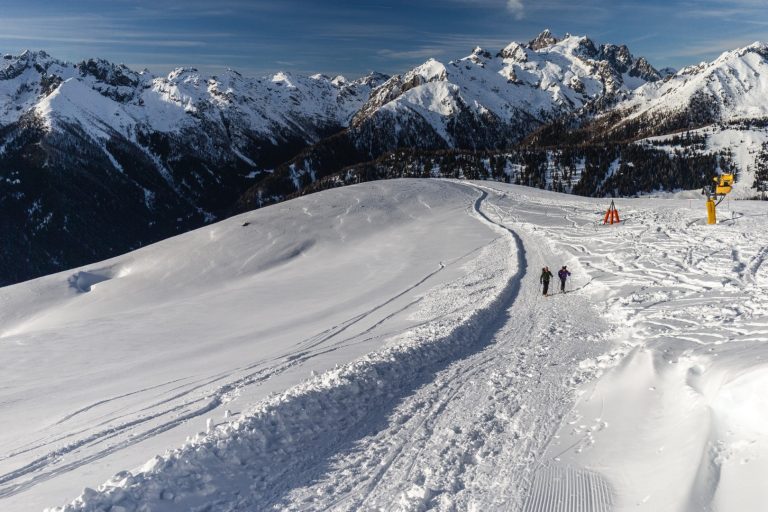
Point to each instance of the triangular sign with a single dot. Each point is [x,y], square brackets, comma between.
[612,215]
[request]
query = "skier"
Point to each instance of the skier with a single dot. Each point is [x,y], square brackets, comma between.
[563,275]
[546,275]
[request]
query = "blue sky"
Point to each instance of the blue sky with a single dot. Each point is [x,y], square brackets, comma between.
[258,37]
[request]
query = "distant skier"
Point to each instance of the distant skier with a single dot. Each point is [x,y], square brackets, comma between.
[546,275]
[563,274]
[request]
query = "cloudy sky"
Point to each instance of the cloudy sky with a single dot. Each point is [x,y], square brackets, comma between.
[356,36]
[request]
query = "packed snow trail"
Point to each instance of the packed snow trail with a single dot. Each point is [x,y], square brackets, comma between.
[471,438]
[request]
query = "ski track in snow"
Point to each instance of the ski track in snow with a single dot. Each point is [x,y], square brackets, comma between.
[179,406]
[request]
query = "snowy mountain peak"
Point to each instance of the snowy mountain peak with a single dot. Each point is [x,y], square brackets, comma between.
[543,40]
[112,74]
[586,49]
[430,71]
[183,73]
[478,52]
[396,86]
[754,53]
[618,56]
[514,51]
[13,66]
[282,78]
[758,47]
[30,55]
[694,68]
[373,79]
[27,78]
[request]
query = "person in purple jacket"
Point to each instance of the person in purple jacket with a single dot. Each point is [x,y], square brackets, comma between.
[563,275]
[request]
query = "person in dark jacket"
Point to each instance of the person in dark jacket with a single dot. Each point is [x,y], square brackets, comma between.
[563,274]
[546,275]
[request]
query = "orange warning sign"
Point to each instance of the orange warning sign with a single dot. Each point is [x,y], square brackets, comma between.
[612,215]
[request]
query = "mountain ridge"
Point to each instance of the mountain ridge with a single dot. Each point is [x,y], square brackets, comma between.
[162,154]
[165,154]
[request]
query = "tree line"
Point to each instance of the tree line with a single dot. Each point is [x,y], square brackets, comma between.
[597,170]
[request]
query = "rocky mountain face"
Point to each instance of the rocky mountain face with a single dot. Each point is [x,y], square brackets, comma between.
[733,87]
[490,101]
[97,159]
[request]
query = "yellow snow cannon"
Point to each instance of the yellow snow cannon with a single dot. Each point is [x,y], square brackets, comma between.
[721,186]
[711,211]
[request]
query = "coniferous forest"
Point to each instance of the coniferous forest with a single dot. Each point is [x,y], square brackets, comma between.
[597,170]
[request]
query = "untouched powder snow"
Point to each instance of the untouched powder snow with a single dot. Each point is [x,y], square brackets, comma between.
[444,380]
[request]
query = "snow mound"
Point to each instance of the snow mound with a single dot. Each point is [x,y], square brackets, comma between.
[84,281]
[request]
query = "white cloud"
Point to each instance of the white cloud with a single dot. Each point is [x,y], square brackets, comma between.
[517,8]
[419,53]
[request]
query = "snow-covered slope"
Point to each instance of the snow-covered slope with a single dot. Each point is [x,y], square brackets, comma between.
[107,365]
[458,385]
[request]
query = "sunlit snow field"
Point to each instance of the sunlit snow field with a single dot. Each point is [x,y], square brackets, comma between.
[452,383]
